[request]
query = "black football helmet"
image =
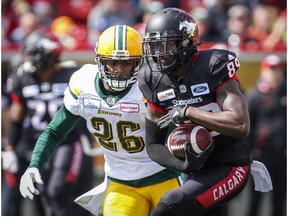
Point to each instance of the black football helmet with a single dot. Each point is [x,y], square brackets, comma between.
[171,38]
[40,51]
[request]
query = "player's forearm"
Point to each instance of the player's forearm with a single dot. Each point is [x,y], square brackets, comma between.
[161,155]
[16,116]
[232,119]
[56,132]
[156,148]
[225,122]
[14,134]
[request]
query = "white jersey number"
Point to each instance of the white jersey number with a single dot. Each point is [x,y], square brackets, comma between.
[42,110]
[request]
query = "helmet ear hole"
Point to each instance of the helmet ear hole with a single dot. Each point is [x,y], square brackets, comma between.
[185,54]
[185,43]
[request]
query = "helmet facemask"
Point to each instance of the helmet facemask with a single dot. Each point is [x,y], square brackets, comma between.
[118,81]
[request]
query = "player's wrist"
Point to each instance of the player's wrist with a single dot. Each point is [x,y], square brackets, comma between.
[183,115]
[9,148]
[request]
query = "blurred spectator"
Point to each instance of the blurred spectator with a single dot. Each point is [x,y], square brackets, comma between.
[9,21]
[277,39]
[218,15]
[90,17]
[238,19]
[44,9]
[28,22]
[105,14]
[70,34]
[147,8]
[206,33]
[260,27]
[78,10]
[189,5]
[237,23]
[20,7]
[279,5]
[267,108]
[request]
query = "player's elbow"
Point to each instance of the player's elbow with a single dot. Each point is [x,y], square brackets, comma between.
[153,152]
[243,129]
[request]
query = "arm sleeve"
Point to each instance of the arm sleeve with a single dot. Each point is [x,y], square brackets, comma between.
[253,107]
[56,132]
[14,133]
[157,150]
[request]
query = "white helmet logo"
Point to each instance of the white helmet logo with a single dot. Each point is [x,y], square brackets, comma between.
[190,27]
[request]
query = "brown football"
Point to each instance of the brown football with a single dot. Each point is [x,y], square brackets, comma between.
[198,137]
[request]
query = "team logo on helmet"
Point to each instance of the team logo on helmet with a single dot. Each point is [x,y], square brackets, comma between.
[189,27]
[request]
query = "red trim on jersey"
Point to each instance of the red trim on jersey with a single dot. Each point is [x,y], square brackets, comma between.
[225,187]
[10,179]
[232,78]
[75,166]
[15,98]
[154,107]
[195,56]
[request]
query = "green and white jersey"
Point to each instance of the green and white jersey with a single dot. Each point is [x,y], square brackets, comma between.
[117,121]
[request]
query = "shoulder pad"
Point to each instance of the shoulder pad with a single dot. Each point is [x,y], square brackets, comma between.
[148,81]
[220,59]
[81,77]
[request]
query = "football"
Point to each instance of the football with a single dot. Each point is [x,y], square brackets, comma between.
[197,136]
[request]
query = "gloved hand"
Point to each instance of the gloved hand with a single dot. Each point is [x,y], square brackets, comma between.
[27,188]
[9,161]
[194,162]
[176,116]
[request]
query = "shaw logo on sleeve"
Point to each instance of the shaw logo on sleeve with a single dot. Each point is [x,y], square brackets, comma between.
[91,103]
[166,95]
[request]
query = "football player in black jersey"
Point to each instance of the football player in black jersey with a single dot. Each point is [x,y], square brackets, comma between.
[183,84]
[37,91]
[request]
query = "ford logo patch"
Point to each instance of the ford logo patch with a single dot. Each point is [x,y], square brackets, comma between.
[200,89]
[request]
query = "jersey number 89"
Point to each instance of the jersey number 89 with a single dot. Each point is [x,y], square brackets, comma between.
[232,67]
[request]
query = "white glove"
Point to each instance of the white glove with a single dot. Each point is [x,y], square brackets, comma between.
[27,188]
[10,161]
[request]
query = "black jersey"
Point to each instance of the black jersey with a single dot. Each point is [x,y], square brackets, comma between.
[42,100]
[208,71]
[268,116]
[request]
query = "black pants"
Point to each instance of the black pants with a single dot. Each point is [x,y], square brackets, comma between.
[61,186]
[205,193]
[67,175]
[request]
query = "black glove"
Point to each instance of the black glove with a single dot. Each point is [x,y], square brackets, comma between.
[176,116]
[194,162]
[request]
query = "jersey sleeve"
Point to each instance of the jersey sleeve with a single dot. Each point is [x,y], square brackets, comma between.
[72,94]
[223,66]
[14,88]
[148,83]
[78,83]
[143,81]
